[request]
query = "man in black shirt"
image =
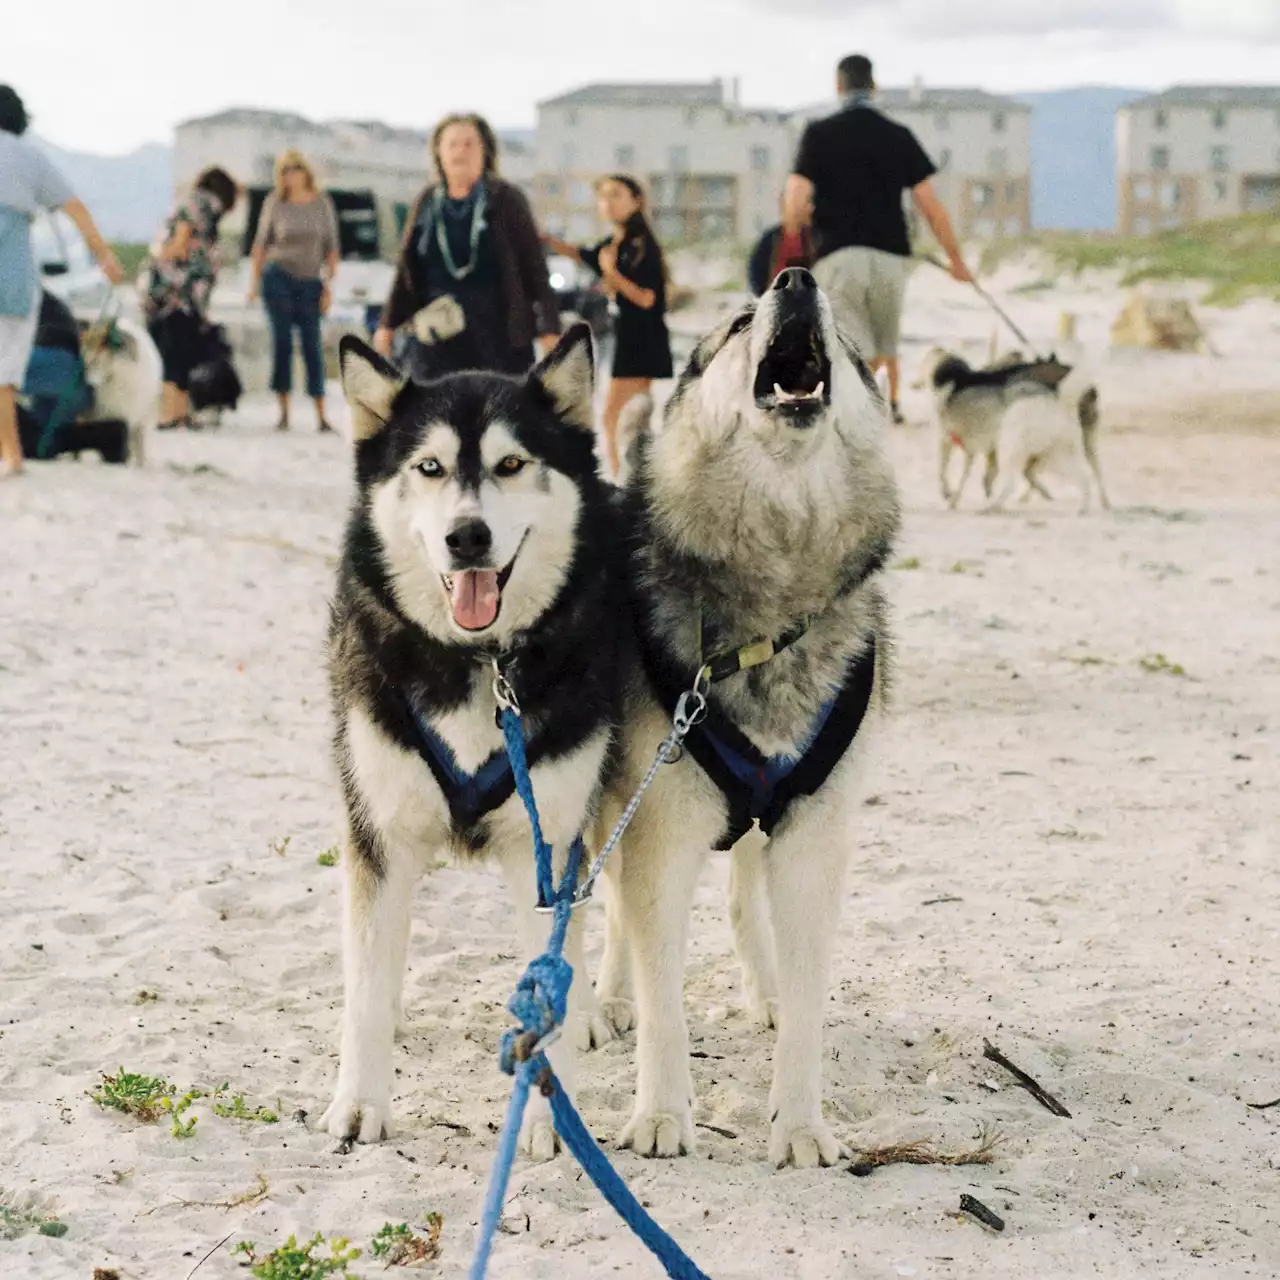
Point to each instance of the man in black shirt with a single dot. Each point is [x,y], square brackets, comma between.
[854,166]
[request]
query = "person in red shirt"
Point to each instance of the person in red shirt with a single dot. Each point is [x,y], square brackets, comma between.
[779,247]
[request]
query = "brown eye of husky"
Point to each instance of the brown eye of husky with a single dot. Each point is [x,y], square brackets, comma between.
[430,468]
[511,465]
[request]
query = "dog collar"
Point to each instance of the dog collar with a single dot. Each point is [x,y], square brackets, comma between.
[728,662]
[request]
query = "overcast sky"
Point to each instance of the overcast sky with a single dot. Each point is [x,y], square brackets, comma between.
[109,76]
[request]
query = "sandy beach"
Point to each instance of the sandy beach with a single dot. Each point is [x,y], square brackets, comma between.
[1072,850]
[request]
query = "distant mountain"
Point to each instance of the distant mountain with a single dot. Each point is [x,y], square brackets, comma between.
[1073,156]
[128,195]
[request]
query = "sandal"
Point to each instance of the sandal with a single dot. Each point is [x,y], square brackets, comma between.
[283,424]
[324,426]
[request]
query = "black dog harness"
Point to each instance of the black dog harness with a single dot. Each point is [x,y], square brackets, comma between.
[759,788]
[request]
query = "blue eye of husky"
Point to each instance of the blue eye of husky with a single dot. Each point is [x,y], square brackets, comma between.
[430,468]
[511,465]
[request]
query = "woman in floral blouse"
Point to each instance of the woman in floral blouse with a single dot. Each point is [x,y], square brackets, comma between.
[180,278]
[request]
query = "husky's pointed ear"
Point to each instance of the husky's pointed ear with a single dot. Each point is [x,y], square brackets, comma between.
[370,384]
[567,377]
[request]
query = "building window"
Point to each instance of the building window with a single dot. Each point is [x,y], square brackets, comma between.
[1220,118]
[942,122]
[1219,190]
[982,195]
[1160,159]
[678,159]
[1012,192]
[625,156]
[568,155]
[998,122]
[1141,189]
[1162,119]
[580,193]
[759,158]
[997,160]
[552,187]
[691,115]
[1218,160]
[944,159]
[571,117]
[1170,196]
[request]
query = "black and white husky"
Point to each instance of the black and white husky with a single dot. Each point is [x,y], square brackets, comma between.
[764,511]
[480,531]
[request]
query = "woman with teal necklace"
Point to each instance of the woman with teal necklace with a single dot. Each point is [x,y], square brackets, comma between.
[472,286]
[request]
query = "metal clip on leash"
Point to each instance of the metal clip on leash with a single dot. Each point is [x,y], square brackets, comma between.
[503,693]
[690,709]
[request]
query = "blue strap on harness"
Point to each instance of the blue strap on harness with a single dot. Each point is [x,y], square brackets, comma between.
[467,793]
[539,1004]
[763,778]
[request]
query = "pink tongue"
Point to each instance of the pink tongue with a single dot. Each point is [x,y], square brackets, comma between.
[475,598]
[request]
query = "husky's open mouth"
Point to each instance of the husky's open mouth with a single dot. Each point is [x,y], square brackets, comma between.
[475,595]
[794,375]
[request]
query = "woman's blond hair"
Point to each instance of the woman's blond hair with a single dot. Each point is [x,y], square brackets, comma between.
[292,159]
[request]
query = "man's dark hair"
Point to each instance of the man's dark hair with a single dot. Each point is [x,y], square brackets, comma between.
[219,183]
[854,73]
[13,115]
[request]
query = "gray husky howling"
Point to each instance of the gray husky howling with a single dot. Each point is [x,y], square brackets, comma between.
[762,512]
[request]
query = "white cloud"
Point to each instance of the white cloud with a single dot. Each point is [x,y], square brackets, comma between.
[949,19]
[112,78]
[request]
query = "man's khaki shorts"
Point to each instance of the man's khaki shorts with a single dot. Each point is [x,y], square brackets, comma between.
[866,288]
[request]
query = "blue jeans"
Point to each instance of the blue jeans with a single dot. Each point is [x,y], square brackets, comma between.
[293,304]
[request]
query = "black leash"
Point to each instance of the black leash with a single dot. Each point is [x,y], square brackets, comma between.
[991,302]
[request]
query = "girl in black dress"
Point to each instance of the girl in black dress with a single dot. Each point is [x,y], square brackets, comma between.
[631,267]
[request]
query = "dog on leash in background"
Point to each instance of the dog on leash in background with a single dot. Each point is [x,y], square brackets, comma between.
[125,371]
[1022,417]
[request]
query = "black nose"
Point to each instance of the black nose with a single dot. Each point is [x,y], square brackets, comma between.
[796,278]
[469,541]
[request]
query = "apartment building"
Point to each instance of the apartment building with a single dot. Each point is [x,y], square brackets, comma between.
[372,170]
[716,169]
[1197,151]
[713,168]
[981,144]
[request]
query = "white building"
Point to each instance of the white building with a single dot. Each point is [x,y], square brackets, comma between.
[714,168]
[373,171]
[1197,151]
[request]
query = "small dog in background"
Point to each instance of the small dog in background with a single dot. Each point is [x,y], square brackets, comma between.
[125,371]
[1022,417]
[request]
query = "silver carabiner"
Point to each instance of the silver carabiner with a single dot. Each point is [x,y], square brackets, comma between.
[503,693]
[690,708]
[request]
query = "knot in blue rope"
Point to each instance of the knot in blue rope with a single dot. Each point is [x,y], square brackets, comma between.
[539,1004]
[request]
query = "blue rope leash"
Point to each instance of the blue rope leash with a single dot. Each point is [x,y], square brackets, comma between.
[539,1003]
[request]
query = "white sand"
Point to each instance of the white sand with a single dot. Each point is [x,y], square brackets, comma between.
[1110,833]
